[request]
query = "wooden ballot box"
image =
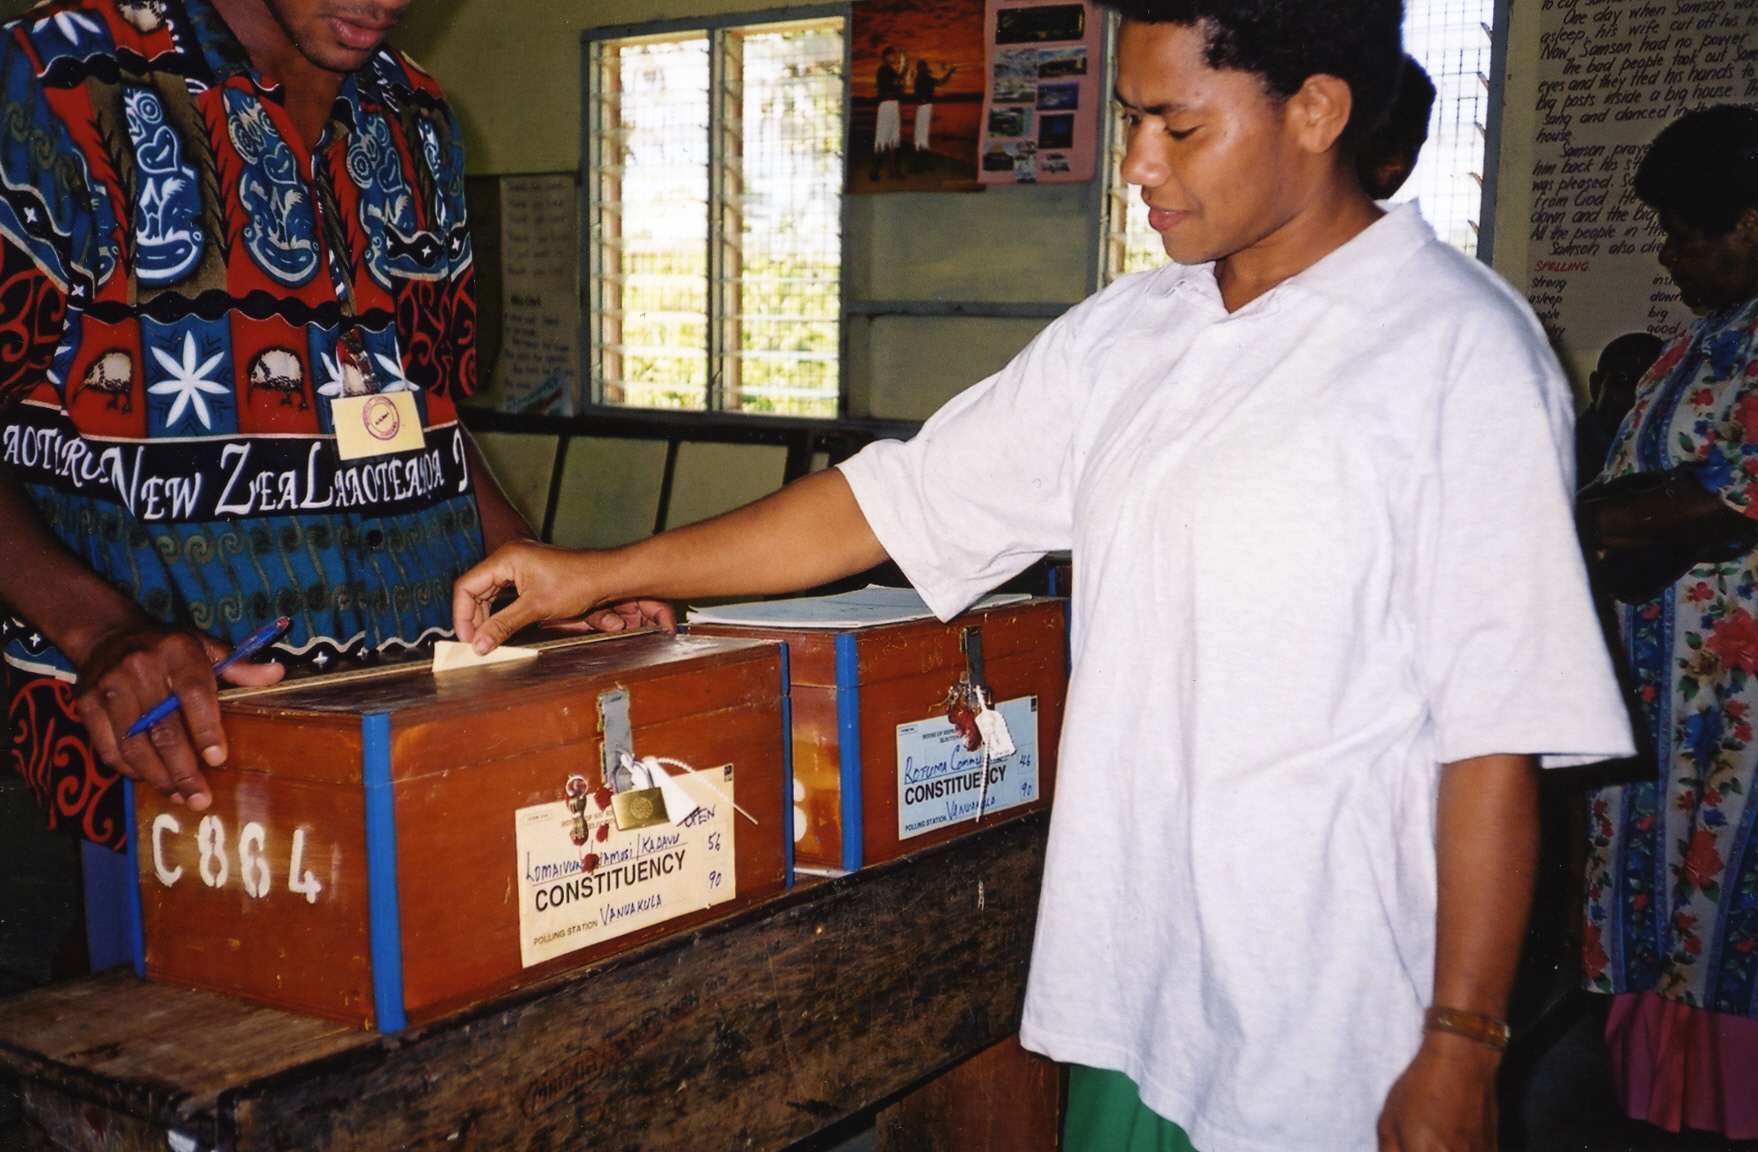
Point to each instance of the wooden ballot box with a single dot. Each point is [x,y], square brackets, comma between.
[391,845]
[884,762]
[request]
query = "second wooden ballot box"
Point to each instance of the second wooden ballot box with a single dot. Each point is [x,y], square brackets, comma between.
[387,846]
[887,757]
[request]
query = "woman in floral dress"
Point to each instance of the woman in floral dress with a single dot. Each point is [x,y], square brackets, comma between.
[1672,901]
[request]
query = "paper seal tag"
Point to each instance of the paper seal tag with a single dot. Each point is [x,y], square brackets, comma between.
[996,738]
[376,425]
[637,878]
[940,779]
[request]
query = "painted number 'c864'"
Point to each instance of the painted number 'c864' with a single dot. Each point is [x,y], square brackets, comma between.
[217,850]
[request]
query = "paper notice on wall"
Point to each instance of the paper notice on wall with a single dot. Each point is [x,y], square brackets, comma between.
[940,779]
[540,309]
[1610,76]
[572,896]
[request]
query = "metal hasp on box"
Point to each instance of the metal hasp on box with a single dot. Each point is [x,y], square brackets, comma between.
[390,845]
[888,756]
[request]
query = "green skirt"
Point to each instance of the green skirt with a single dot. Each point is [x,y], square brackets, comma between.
[1105,1114]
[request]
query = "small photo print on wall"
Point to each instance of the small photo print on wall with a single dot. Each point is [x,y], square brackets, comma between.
[1055,63]
[1010,121]
[1042,117]
[1040,23]
[917,94]
[1056,131]
[1058,97]
[1016,76]
[1011,161]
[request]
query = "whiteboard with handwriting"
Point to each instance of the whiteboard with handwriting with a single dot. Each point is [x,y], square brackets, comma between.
[1612,74]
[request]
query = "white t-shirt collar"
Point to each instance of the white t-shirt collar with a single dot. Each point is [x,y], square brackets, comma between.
[1372,256]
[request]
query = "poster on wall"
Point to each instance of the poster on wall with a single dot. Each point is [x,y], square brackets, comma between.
[540,310]
[915,96]
[1041,107]
[1610,77]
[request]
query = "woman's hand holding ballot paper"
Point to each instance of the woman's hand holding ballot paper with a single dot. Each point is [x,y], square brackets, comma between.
[809,533]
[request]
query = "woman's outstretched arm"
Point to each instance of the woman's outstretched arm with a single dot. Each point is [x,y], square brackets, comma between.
[807,534]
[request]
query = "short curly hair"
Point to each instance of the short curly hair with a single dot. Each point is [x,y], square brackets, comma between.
[1703,168]
[1285,41]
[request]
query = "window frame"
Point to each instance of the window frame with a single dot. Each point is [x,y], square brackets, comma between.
[719,290]
[1115,192]
[1494,109]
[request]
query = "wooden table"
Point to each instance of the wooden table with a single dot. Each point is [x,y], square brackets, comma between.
[749,1032]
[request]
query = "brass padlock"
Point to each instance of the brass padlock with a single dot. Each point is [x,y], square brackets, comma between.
[641,808]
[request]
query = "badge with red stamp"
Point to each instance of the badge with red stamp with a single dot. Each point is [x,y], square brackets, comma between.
[376,425]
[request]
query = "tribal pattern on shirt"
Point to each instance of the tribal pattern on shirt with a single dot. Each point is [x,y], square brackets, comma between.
[178,272]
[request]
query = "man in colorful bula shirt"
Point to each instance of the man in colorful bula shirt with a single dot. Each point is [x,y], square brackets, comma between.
[236,310]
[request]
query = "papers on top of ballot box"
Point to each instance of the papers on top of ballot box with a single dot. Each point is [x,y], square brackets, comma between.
[860,609]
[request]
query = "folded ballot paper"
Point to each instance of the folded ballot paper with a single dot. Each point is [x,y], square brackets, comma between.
[449,655]
[860,609]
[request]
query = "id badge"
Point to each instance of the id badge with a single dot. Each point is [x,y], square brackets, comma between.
[376,425]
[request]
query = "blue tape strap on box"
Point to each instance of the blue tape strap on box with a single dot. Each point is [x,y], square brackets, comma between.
[111,890]
[787,763]
[381,873]
[136,929]
[848,739]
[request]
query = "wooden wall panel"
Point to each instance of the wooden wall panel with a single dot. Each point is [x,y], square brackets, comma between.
[522,465]
[610,492]
[715,478]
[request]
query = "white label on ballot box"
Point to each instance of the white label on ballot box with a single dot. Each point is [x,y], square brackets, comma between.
[939,780]
[636,879]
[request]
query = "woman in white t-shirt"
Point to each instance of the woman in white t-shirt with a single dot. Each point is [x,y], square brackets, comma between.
[1328,605]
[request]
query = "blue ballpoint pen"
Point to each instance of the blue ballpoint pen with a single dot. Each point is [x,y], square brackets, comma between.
[253,644]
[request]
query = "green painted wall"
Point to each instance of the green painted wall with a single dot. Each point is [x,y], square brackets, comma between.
[512,70]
